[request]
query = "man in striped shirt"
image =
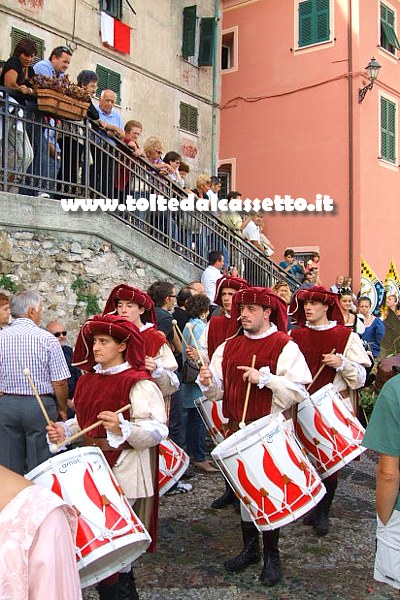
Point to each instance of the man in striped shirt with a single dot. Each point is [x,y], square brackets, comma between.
[23,345]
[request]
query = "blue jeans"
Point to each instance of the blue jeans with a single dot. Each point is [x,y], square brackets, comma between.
[195,434]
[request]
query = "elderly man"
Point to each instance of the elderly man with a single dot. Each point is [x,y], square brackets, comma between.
[23,345]
[60,332]
[278,380]
[102,171]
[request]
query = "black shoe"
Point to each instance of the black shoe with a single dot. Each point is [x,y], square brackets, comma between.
[271,573]
[321,525]
[228,497]
[311,517]
[127,587]
[250,554]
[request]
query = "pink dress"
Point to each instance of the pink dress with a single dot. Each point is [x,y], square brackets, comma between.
[37,556]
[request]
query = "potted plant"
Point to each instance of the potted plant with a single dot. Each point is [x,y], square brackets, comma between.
[61,98]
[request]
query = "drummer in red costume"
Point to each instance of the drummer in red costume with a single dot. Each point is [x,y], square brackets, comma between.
[111,350]
[278,380]
[320,330]
[137,306]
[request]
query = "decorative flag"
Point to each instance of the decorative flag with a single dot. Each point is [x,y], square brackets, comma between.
[372,287]
[115,34]
[392,281]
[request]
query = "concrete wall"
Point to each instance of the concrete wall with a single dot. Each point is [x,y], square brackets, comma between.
[155,78]
[44,248]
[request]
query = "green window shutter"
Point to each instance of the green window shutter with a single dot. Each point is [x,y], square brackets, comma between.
[314,18]
[189,31]
[389,39]
[109,80]
[388,130]
[17,35]
[206,47]
[188,118]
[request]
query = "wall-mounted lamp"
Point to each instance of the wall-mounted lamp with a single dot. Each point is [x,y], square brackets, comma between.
[372,68]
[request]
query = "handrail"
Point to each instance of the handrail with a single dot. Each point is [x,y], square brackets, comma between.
[84,163]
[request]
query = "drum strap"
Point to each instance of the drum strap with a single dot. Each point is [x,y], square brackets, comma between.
[103,444]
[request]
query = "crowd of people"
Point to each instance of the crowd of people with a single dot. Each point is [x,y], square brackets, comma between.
[158,352]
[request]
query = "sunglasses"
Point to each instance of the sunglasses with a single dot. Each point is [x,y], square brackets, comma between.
[58,333]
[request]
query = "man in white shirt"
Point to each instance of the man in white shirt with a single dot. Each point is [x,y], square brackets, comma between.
[212,273]
[252,233]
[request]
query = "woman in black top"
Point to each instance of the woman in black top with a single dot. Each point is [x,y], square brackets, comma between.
[18,72]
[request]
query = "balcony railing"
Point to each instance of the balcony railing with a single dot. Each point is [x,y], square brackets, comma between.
[40,154]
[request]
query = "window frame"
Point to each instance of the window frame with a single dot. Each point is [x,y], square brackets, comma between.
[231,36]
[108,72]
[116,9]
[391,30]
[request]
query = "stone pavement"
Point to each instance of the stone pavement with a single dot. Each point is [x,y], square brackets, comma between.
[194,540]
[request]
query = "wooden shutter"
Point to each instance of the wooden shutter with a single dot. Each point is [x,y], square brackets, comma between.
[206,48]
[188,118]
[109,80]
[314,20]
[389,39]
[388,130]
[17,35]
[189,31]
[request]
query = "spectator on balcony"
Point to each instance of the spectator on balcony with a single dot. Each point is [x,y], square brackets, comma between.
[110,119]
[292,266]
[56,65]
[133,130]
[153,150]
[215,188]
[173,159]
[130,147]
[17,74]
[89,81]
[184,171]
[251,231]
[232,218]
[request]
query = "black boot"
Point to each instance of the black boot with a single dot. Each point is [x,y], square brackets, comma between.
[127,587]
[312,517]
[228,497]
[108,592]
[251,551]
[321,525]
[271,573]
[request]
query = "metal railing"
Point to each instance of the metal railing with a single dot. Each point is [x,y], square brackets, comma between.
[41,154]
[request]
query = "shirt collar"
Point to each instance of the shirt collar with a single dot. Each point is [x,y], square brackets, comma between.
[324,327]
[112,370]
[264,334]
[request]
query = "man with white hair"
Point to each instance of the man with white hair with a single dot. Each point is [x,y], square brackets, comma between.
[23,345]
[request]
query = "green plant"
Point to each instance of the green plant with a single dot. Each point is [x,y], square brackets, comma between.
[6,283]
[92,305]
[367,401]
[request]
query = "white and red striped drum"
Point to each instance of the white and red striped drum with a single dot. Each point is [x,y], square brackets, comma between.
[266,467]
[330,434]
[110,536]
[213,418]
[173,462]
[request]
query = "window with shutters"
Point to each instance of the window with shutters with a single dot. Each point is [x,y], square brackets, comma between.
[17,35]
[188,117]
[189,31]
[314,22]
[198,37]
[388,110]
[206,44]
[109,80]
[112,8]
[389,40]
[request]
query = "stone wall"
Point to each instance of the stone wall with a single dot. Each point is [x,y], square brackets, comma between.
[67,256]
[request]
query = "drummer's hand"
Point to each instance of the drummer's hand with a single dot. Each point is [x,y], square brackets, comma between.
[332,360]
[110,421]
[250,374]
[192,353]
[56,433]
[150,364]
[205,376]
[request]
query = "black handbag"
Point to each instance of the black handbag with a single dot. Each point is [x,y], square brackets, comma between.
[190,371]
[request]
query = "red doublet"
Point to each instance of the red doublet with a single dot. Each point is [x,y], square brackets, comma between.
[238,352]
[314,343]
[217,333]
[95,393]
[153,341]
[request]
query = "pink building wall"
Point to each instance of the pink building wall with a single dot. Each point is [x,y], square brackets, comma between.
[297,141]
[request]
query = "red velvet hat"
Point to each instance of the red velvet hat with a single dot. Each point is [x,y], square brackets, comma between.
[235,283]
[131,294]
[118,328]
[263,297]
[318,294]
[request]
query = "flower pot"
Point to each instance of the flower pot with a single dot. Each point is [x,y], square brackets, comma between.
[59,105]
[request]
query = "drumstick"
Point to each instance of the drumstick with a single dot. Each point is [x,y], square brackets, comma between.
[27,374]
[242,423]
[318,373]
[72,438]
[176,326]
[203,364]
